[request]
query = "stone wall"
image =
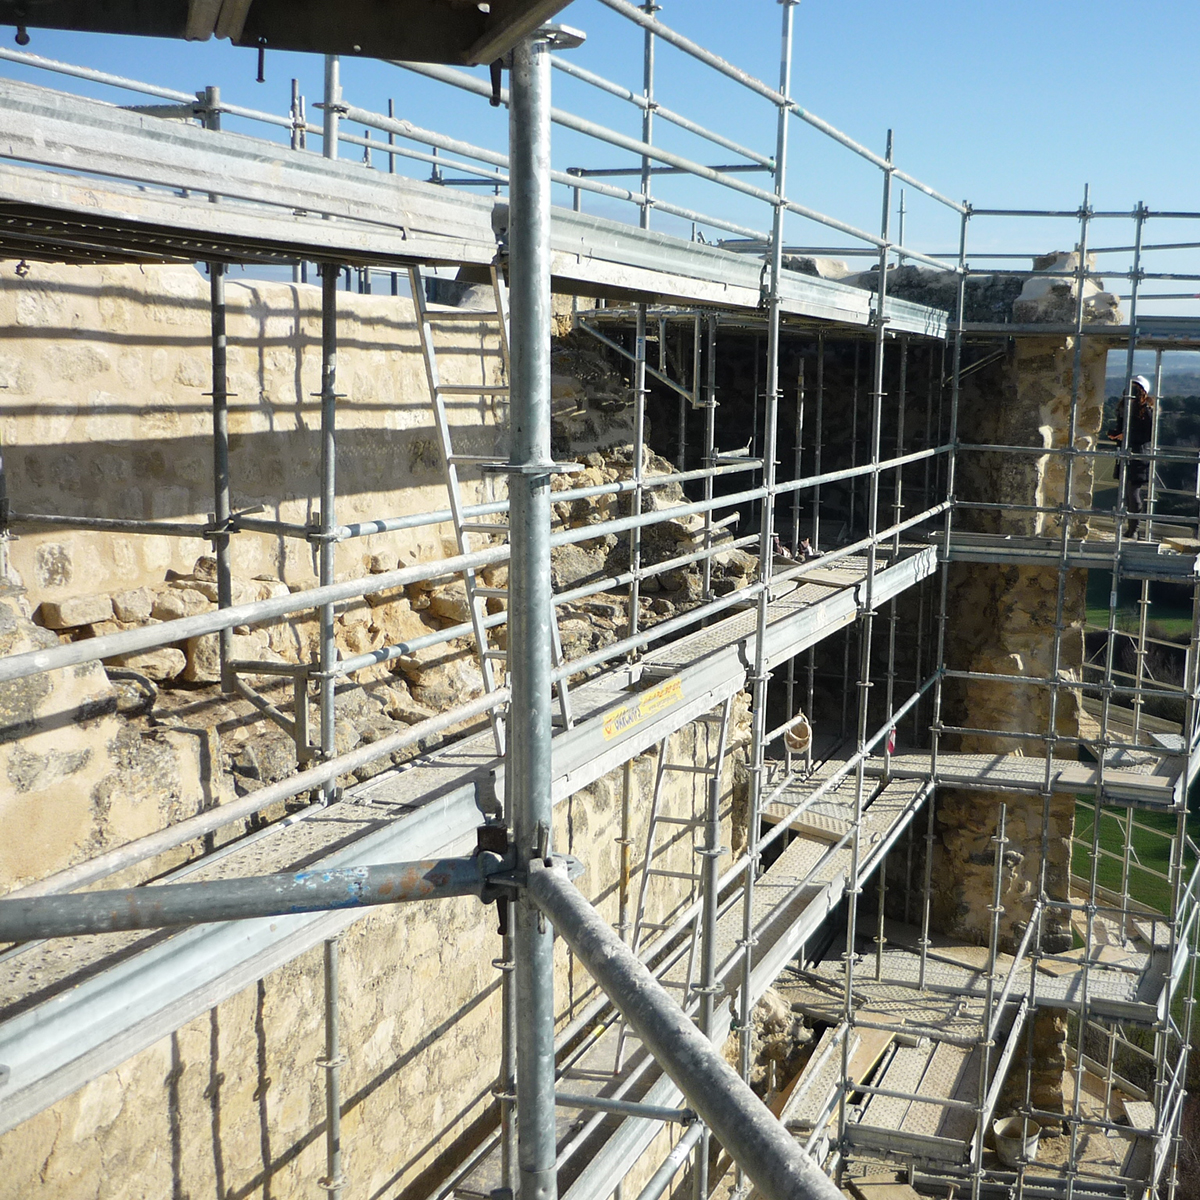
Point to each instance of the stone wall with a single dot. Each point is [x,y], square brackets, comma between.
[1002,618]
[103,412]
[231,1105]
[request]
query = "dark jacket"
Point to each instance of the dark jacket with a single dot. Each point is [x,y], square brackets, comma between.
[1141,424]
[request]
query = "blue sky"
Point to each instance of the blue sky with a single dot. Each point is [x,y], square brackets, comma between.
[1005,104]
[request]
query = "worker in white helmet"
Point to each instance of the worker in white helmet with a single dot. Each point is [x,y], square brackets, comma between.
[1141,437]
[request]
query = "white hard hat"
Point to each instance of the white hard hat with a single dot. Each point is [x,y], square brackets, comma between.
[1143,381]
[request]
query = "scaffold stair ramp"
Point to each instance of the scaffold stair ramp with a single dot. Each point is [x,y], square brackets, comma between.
[926,1048]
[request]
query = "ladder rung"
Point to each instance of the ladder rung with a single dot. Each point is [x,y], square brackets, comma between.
[478,458]
[491,593]
[482,527]
[689,768]
[654,925]
[499,655]
[672,874]
[693,821]
[675,983]
[473,389]
[461,314]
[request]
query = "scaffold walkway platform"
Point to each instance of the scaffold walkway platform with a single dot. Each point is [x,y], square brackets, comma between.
[1170,560]
[1131,982]
[1133,775]
[111,194]
[68,1016]
[792,898]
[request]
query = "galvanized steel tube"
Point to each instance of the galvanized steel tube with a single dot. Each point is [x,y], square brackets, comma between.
[647,123]
[710,426]
[174,905]
[756,1140]
[639,444]
[220,448]
[529,639]
[327,653]
[333,106]
[666,114]
[759,678]
[660,1181]
[332,1065]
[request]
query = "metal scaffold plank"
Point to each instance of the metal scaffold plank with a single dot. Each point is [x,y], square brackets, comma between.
[902,1074]
[938,1083]
[1136,560]
[809,1100]
[283,199]
[956,1123]
[1153,781]
[1132,988]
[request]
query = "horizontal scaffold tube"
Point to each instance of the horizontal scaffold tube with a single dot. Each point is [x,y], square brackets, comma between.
[769,93]
[645,149]
[757,1141]
[173,905]
[149,637]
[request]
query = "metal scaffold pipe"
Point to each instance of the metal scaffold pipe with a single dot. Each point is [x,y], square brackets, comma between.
[327,651]
[176,905]
[757,1141]
[759,678]
[529,644]
[334,1180]
[220,430]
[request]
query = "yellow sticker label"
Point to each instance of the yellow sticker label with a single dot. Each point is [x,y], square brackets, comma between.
[648,705]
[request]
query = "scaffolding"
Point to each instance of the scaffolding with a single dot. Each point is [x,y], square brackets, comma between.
[920,1031]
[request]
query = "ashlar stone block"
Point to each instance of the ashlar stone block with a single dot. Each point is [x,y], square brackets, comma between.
[78,610]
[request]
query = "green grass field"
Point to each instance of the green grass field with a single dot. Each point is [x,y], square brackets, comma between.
[1168,623]
[1150,852]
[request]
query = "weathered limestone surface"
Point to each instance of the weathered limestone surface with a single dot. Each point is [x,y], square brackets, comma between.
[103,412]
[232,1104]
[76,779]
[1002,618]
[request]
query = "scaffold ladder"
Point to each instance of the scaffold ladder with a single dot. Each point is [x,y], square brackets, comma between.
[464,529]
[708,771]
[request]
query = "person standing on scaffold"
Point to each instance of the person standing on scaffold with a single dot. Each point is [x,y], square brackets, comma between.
[1141,438]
